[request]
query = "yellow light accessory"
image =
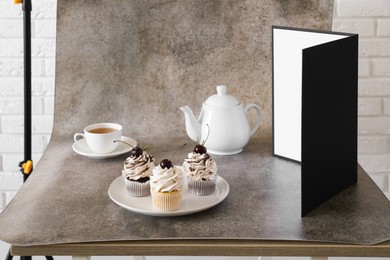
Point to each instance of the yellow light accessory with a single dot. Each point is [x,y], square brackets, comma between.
[18,1]
[27,167]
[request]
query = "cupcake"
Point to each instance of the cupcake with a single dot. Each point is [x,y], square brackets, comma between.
[166,185]
[201,171]
[136,172]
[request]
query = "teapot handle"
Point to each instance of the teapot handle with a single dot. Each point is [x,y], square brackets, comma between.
[258,116]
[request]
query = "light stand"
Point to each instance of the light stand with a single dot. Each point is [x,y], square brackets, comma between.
[26,165]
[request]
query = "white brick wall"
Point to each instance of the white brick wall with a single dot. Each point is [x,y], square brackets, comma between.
[43,30]
[369,18]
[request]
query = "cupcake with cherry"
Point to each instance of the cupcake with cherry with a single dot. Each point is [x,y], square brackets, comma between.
[137,169]
[200,170]
[166,186]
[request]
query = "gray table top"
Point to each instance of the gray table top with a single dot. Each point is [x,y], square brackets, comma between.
[65,200]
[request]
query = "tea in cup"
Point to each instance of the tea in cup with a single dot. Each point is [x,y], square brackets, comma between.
[100,137]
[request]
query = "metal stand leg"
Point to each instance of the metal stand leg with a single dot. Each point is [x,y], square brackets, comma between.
[9,257]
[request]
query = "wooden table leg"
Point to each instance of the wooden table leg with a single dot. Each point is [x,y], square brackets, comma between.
[75,257]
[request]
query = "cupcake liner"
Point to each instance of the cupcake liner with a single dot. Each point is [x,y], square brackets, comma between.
[137,189]
[166,201]
[201,188]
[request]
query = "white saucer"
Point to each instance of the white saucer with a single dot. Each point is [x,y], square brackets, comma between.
[191,203]
[81,147]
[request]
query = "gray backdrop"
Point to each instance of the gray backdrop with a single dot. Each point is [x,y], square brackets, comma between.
[137,62]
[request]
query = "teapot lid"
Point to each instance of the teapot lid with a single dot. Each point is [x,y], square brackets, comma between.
[222,99]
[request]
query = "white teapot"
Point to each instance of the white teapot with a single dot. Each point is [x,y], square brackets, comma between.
[222,124]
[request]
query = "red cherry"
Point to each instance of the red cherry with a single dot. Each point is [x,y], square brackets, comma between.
[200,149]
[166,163]
[136,151]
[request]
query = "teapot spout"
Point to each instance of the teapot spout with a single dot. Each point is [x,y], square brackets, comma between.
[193,126]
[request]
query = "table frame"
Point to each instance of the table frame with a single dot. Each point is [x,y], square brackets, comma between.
[207,247]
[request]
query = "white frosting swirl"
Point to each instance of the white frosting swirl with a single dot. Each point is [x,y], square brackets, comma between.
[135,168]
[166,180]
[200,167]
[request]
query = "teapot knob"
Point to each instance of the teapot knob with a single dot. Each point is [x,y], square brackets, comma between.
[221,89]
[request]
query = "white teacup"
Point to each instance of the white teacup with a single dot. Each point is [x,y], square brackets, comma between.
[100,137]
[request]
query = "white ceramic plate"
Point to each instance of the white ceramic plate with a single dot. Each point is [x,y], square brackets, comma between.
[81,147]
[191,203]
